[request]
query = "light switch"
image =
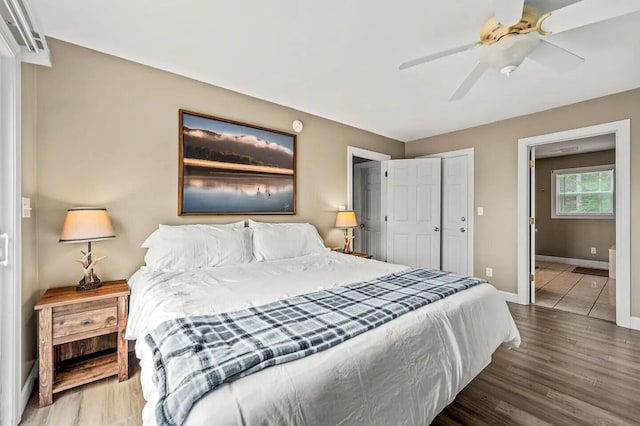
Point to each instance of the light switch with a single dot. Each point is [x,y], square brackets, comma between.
[4,250]
[480,211]
[26,207]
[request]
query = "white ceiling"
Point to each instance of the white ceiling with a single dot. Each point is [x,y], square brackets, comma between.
[577,146]
[339,59]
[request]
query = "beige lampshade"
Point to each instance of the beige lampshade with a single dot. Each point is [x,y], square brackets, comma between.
[346,219]
[84,224]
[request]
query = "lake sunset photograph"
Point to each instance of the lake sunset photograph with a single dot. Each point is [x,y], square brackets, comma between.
[232,168]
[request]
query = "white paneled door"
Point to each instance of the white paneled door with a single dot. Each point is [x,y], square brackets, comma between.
[367,203]
[413,212]
[455,215]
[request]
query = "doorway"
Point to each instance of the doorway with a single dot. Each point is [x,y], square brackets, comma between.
[621,131]
[575,226]
[366,196]
[443,185]
[367,204]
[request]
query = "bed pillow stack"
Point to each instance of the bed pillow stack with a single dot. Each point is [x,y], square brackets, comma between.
[273,241]
[185,247]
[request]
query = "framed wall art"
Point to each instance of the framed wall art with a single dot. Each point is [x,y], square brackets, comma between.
[227,167]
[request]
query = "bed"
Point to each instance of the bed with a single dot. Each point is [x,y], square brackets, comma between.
[402,372]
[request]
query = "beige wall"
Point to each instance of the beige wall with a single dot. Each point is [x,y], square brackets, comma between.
[108,136]
[30,289]
[572,238]
[496,176]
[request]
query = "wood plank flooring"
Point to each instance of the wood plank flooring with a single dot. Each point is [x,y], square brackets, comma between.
[559,288]
[103,402]
[570,370]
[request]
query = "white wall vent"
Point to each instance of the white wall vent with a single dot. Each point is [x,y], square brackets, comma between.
[19,20]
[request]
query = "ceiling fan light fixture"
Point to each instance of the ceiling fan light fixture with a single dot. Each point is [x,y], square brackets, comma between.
[508,69]
[506,56]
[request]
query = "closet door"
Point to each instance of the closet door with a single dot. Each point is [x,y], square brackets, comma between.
[455,215]
[413,212]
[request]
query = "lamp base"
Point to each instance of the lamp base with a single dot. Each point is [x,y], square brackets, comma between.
[347,242]
[85,286]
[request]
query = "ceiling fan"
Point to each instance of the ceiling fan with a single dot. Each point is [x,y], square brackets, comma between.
[517,31]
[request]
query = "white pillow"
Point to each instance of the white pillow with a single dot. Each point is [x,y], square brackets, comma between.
[181,248]
[149,239]
[285,241]
[253,224]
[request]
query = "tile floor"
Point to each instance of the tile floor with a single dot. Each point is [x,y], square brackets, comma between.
[559,288]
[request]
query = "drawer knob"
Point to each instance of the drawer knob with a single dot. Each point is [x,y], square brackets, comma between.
[86,322]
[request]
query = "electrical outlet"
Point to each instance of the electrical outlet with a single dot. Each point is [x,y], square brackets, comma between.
[593,250]
[480,211]
[489,272]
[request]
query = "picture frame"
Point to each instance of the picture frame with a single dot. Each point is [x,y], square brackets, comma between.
[227,167]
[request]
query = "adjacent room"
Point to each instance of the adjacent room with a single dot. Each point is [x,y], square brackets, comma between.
[319,213]
[575,226]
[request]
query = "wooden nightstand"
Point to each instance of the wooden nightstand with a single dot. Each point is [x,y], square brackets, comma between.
[66,315]
[363,255]
[355,253]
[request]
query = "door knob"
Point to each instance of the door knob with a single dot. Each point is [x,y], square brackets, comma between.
[463,230]
[362,225]
[435,228]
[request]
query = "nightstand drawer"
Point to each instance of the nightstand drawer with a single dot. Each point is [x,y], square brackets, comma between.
[82,322]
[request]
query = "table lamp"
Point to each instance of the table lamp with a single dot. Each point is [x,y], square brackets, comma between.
[87,224]
[346,220]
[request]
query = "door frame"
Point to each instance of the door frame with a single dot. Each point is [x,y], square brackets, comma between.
[11,223]
[470,154]
[622,131]
[353,151]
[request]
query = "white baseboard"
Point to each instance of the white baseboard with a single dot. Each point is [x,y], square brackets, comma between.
[28,387]
[509,297]
[634,323]
[577,262]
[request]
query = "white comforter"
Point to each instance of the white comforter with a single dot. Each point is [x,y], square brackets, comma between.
[404,372]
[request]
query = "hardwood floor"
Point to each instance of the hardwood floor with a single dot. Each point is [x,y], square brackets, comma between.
[570,370]
[559,288]
[104,402]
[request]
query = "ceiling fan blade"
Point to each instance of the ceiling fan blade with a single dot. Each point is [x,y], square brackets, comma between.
[429,58]
[508,12]
[555,57]
[469,82]
[588,12]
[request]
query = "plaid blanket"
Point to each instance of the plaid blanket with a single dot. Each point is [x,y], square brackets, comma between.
[194,355]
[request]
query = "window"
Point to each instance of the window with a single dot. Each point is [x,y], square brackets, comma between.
[583,193]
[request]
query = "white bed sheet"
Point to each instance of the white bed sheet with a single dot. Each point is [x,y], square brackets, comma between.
[404,372]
